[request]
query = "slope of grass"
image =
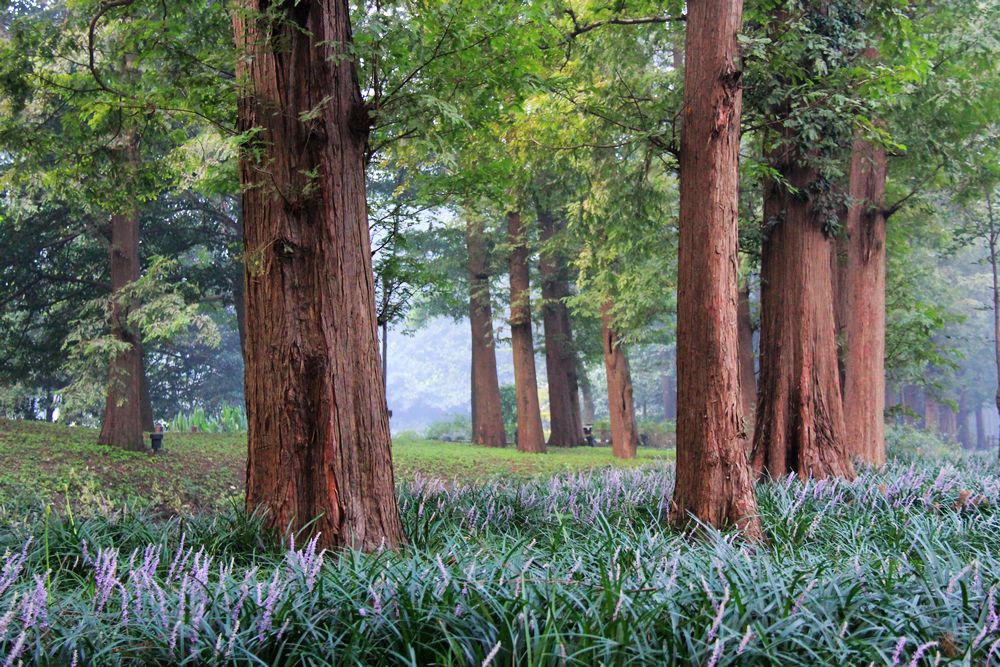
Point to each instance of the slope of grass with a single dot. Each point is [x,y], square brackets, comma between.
[44,463]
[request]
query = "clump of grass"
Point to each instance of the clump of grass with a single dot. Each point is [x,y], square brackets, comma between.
[898,567]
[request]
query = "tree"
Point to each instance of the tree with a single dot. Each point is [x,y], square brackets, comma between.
[714,484]
[566,425]
[621,408]
[319,447]
[530,437]
[487,415]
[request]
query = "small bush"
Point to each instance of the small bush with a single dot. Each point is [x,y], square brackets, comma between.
[455,429]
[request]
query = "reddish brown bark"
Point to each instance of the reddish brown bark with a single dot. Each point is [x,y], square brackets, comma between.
[800,421]
[931,414]
[714,483]
[864,292]
[565,425]
[487,416]
[530,436]
[748,379]
[122,422]
[319,446]
[621,407]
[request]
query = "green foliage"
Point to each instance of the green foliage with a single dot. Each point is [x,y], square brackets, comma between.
[230,419]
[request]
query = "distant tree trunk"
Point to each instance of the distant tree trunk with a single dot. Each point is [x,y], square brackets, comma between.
[864,288]
[993,233]
[931,413]
[912,403]
[748,379]
[800,420]
[947,423]
[587,397]
[964,437]
[668,385]
[980,428]
[714,483]
[530,436]
[621,407]
[566,425]
[146,398]
[487,415]
[123,413]
[319,445]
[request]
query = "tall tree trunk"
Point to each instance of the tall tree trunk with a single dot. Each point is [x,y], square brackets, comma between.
[931,413]
[947,423]
[980,428]
[748,379]
[963,434]
[319,445]
[145,396]
[912,403]
[487,415]
[714,483]
[566,425]
[587,398]
[621,407]
[123,414]
[530,436]
[993,233]
[864,287]
[800,420]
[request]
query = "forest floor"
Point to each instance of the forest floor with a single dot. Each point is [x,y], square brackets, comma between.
[47,463]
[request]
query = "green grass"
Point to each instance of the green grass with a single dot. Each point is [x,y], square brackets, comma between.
[45,463]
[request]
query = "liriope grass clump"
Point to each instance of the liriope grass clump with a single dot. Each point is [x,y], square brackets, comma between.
[899,567]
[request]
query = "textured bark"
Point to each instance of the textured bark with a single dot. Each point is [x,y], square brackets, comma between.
[319,446]
[800,421]
[864,291]
[487,416]
[530,436]
[748,379]
[122,422]
[621,407]
[714,483]
[566,424]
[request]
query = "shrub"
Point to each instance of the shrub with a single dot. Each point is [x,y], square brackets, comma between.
[455,429]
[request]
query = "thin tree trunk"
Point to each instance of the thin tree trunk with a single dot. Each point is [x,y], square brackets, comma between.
[980,428]
[964,436]
[487,415]
[587,398]
[714,483]
[621,407]
[748,379]
[566,425]
[947,423]
[145,396]
[931,414]
[864,286]
[530,436]
[995,267]
[319,445]
[800,421]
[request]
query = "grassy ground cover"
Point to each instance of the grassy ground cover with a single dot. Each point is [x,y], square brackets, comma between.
[199,471]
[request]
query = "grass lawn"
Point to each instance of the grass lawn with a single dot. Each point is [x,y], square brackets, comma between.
[42,462]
